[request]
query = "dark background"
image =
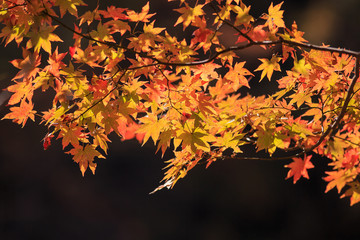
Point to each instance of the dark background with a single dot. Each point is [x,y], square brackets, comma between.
[44,196]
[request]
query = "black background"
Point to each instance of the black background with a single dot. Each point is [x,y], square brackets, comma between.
[44,196]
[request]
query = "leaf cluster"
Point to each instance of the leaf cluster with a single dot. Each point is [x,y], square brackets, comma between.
[125,75]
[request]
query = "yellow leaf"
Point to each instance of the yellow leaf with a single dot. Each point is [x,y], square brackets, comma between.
[189,14]
[68,6]
[275,17]
[43,39]
[269,66]
[151,127]
[242,16]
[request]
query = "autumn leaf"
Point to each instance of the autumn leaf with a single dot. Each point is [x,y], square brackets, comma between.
[143,16]
[114,13]
[71,134]
[68,6]
[353,192]
[275,16]
[268,66]
[265,139]
[151,126]
[301,67]
[55,63]
[102,33]
[20,91]
[43,38]
[338,179]
[188,14]
[237,76]
[90,16]
[28,65]
[164,141]
[196,140]
[47,140]
[125,74]
[21,114]
[242,15]
[119,26]
[84,156]
[299,168]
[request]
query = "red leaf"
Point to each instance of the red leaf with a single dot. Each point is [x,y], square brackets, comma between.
[72,51]
[47,141]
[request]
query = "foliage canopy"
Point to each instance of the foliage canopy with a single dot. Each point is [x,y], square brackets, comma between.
[125,75]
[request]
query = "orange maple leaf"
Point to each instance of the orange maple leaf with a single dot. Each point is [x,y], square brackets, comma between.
[20,114]
[337,179]
[237,76]
[55,63]
[71,134]
[299,168]
[84,156]
[114,13]
[28,65]
[140,17]
[21,90]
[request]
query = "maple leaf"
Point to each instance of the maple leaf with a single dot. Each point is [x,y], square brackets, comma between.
[299,168]
[43,38]
[275,16]
[114,13]
[119,26]
[237,76]
[68,6]
[89,16]
[265,139]
[151,127]
[302,67]
[196,140]
[84,156]
[55,63]
[99,88]
[298,35]
[102,34]
[202,37]
[353,192]
[10,33]
[242,16]
[143,16]
[146,39]
[101,139]
[21,114]
[300,97]
[269,66]
[150,30]
[21,90]
[28,65]
[71,134]
[109,121]
[164,141]
[189,14]
[337,179]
